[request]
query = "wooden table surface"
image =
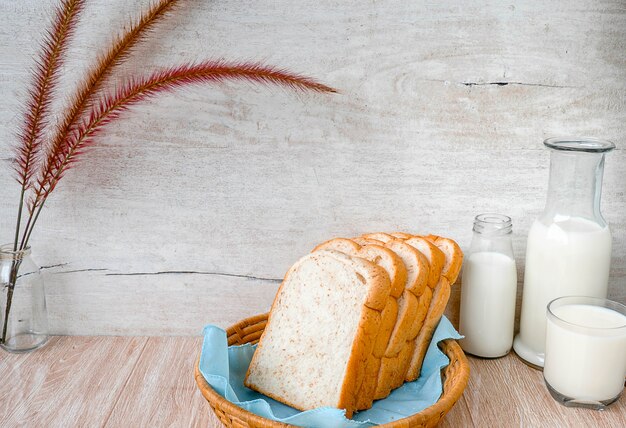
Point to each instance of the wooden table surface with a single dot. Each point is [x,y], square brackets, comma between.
[148,382]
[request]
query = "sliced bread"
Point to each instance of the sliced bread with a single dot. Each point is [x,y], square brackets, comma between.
[320,332]
[436,260]
[396,270]
[454,256]
[450,272]
[436,257]
[435,311]
[408,309]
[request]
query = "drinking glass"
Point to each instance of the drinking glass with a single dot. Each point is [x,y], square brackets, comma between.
[585,360]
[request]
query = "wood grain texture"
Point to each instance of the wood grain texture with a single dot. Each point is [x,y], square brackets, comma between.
[518,397]
[161,391]
[126,381]
[441,113]
[73,381]
[458,416]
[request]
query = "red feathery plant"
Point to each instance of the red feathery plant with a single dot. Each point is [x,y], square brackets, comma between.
[41,162]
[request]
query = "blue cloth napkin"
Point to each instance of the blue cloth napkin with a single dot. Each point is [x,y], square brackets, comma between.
[224,368]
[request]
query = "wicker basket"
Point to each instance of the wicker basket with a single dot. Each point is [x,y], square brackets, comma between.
[249,330]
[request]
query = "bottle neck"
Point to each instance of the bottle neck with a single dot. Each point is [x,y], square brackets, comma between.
[575,186]
[492,233]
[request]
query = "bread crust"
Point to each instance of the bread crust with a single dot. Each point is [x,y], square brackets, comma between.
[366,241]
[401,235]
[407,313]
[454,256]
[389,261]
[376,252]
[388,321]
[406,323]
[436,257]
[451,268]
[343,245]
[359,358]
[416,263]
[436,260]
[386,375]
[435,311]
[365,394]
[378,295]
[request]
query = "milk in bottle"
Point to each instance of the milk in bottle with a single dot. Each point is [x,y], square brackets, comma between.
[568,251]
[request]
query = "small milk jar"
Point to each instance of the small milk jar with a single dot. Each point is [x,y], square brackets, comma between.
[489,289]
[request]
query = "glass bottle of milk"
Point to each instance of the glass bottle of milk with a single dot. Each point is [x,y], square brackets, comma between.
[568,252]
[489,289]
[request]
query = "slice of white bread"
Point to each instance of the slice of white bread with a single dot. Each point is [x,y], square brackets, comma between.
[408,310]
[320,332]
[396,270]
[436,259]
[452,267]
[454,256]
[375,252]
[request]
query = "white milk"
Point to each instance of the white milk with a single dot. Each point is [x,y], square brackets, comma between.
[488,304]
[582,363]
[570,257]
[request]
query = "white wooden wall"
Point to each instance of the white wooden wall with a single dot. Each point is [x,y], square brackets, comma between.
[190,209]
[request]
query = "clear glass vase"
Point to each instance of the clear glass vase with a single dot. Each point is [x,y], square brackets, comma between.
[568,252]
[23,313]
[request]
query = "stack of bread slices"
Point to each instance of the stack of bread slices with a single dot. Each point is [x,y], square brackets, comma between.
[353,320]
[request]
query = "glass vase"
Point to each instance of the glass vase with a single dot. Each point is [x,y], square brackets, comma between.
[23,314]
[568,251]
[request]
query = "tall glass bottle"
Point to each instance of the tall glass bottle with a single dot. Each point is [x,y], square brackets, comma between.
[568,252]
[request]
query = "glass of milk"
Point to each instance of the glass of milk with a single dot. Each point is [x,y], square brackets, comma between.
[585,358]
[568,251]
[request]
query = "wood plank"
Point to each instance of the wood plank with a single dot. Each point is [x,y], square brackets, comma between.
[505,392]
[161,390]
[72,380]
[214,422]
[458,416]
[126,381]
[143,304]
[441,114]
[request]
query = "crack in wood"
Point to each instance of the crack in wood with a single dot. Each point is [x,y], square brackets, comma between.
[167,272]
[498,83]
[193,272]
[82,270]
[542,85]
[68,271]
[53,266]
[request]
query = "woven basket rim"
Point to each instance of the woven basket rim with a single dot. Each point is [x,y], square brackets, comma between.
[426,418]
